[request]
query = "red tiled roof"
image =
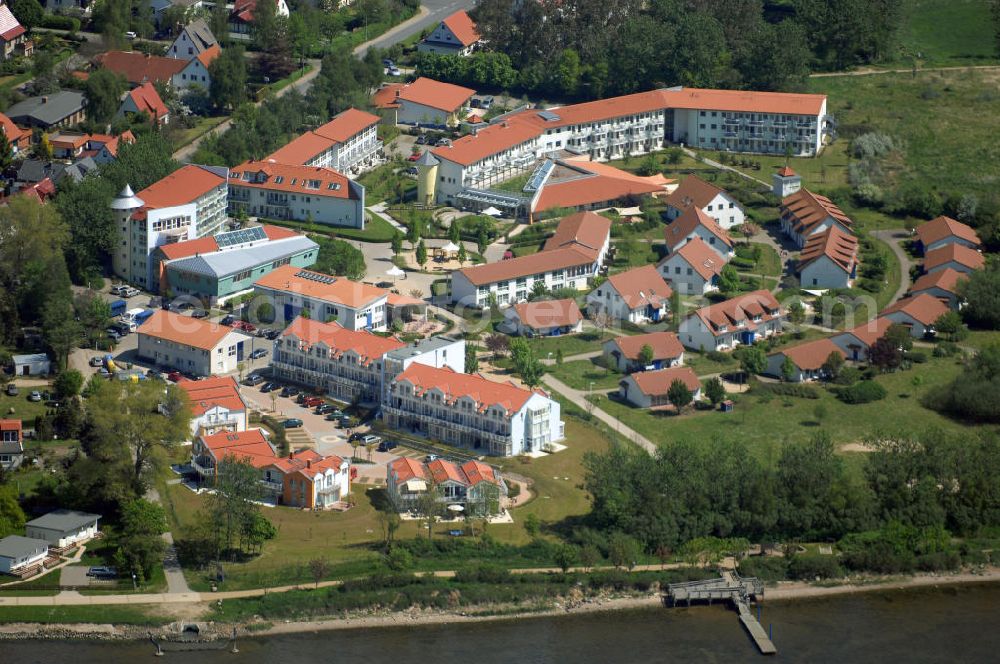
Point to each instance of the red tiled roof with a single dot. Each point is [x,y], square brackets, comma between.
[543,261]
[655,383]
[10,425]
[488,141]
[442,470]
[477,471]
[641,286]
[811,355]
[435,94]
[923,308]
[343,291]
[211,392]
[835,244]
[250,445]
[9,26]
[111,143]
[324,182]
[346,125]
[462,27]
[702,258]
[744,101]
[741,308]
[138,68]
[957,253]
[946,279]
[11,130]
[185,185]
[209,55]
[406,469]
[482,391]
[340,129]
[186,330]
[201,245]
[309,468]
[943,227]
[786,172]
[681,228]
[870,332]
[665,345]
[385,96]
[243,11]
[542,314]
[68,140]
[809,210]
[367,346]
[598,183]
[147,100]
[693,191]
[302,149]
[583,230]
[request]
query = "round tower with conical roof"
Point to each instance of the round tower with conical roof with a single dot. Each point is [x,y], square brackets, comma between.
[427,170]
[123,206]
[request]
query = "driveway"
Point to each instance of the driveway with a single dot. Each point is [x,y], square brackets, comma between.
[895,238]
[74,575]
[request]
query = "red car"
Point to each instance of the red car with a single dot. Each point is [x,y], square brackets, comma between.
[245,326]
[312,402]
[415,156]
[177,377]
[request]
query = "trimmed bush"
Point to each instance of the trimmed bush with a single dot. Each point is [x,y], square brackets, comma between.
[810,567]
[864,392]
[800,390]
[745,263]
[57,22]
[916,356]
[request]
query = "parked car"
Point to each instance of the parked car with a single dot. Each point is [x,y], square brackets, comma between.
[131,292]
[387,445]
[103,371]
[114,334]
[415,156]
[334,415]
[312,402]
[324,408]
[270,387]
[386,62]
[393,71]
[431,457]
[292,423]
[422,139]
[34,395]
[96,362]
[130,35]
[199,313]
[228,320]
[371,439]
[271,334]
[259,353]
[245,326]
[355,436]
[412,170]
[289,391]
[103,572]
[443,142]
[155,374]
[253,380]
[119,290]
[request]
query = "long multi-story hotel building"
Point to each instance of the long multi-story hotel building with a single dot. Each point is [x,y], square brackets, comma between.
[727,120]
[348,142]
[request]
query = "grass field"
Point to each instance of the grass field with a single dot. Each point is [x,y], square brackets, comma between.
[571,344]
[582,373]
[181,137]
[944,33]
[121,615]
[767,424]
[20,407]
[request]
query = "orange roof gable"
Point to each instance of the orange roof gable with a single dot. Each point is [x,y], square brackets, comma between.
[665,345]
[702,258]
[758,304]
[138,68]
[346,125]
[435,94]
[654,383]
[302,149]
[250,445]
[208,56]
[319,286]
[943,227]
[956,253]
[681,228]
[147,100]
[835,244]
[946,279]
[811,355]
[185,330]
[482,391]
[693,191]
[367,346]
[274,176]
[406,469]
[744,101]
[11,130]
[641,286]
[477,471]
[923,308]
[598,183]
[583,229]
[462,27]
[808,210]
[185,185]
[385,96]
[870,332]
[208,393]
[543,261]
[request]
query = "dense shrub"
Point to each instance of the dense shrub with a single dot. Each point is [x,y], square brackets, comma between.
[848,376]
[916,356]
[801,390]
[864,392]
[873,145]
[744,263]
[946,349]
[766,568]
[57,22]
[717,356]
[810,567]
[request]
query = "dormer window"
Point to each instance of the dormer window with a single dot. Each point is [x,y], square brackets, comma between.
[278,179]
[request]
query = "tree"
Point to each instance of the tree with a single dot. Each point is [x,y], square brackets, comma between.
[429,508]
[788,369]
[498,344]
[950,324]
[833,364]
[463,255]
[228,74]
[565,557]
[233,505]
[645,355]
[981,291]
[729,279]
[397,243]
[623,551]
[339,257]
[319,568]
[421,253]
[482,240]
[139,545]
[256,530]
[390,522]
[6,153]
[715,391]
[28,13]
[68,383]
[525,363]
[471,359]
[532,525]
[885,355]
[753,360]
[11,516]
[413,233]
[899,336]
[679,395]
[454,235]
[796,314]
[559,356]
[104,89]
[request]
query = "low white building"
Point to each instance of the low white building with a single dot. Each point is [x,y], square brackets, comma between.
[649,389]
[744,319]
[807,360]
[693,269]
[695,223]
[216,405]
[544,318]
[804,214]
[196,71]
[624,352]
[295,291]
[18,554]
[426,102]
[191,345]
[716,202]
[639,295]
[857,341]
[455,35]
[61,528]
[917,313]
[34,364]
[829,260]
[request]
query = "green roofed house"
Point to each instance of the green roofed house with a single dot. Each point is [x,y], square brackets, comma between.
[225,265]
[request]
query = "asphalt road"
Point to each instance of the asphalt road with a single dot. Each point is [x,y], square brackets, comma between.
[436,11]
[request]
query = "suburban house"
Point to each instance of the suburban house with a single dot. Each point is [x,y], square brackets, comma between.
[942,284]
[942,231]
[649,389]
[209,452]
[22,556]
[194,39]
[917,313]
[570,259]
[59,109]
[32,364]
[18,139]
[301,193]
[499,419]
[857,341]
[139,68]
[715,202]
[804,214]
[475,486]
[216,405]
[829,259]
[737,121]
[455,35]
[639,295]
[187,204]
[103,148]
[697,224]
[308,480]
[785,182]
[195,71]
[292,290]
[623,352]
[807,358]
[956,256]
[346,364]
[13,36]
[693,269]
[63,528]
[545,318]
[191,345]
[145,99]
[347,143]
[429,103]
[67,144]
[11,444]
[241,17]
[219,267]
[741,320]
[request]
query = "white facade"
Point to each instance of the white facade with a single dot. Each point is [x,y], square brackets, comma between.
[222,358]
[694,334]
[723,208]
[917,329]
[766,133]
[517,289]
[355,155]
[63,537]
[307,204]
[823,272]
[683,278]
[370,315]
[195,73]
[800,239]
[443,41]
[785,185]
[30,552]
[412,113]
[629,391]
[606,298]
[218,418]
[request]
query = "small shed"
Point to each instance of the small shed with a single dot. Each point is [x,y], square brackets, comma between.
[727,406]
[36,364]
[18,553]
[62,528]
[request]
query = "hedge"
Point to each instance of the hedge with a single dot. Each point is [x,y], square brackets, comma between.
[788,390]
[57,22]
[865,391]
[745,263]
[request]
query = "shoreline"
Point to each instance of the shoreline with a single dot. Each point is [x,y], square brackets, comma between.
[786,591]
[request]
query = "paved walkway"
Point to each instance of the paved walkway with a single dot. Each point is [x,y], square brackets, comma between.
[723,167]
[894,239]
[176,583]
[575,358]
[908,70]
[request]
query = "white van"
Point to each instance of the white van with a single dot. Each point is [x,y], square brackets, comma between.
[129,318]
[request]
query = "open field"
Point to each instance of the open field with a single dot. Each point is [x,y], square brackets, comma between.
[946,33]
[120,615]
[20,407]
[181,137]
[571,344]
[584,374]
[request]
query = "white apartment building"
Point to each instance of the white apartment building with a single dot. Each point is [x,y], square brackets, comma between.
[216,405]
[187,204]
[500,419]
[293,290]
[302,193]
[741,320]
[191,345]
[347,143]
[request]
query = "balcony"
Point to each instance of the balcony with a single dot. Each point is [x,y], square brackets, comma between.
[204,471]
[273,487]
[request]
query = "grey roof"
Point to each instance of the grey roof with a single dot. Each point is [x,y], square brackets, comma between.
[33,357]
[420,347]
[64,520]
[48,109]
[79,170]
[220,264]
[200,34]
[36,170]
[16,546]
[427,159]
[11,447]
[127,200]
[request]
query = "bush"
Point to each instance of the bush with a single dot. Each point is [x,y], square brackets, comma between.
[916,356]
[57,22]
[765,568]
[873,145]
[801,390]
[810,567]
[744,263]
[848,376]
[946,349]
[866,391]
[717,356]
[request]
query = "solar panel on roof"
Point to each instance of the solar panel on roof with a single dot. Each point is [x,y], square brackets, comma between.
[548,116]
[316,276]
[241,236]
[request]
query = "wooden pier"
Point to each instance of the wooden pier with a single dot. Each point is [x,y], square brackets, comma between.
[730,587]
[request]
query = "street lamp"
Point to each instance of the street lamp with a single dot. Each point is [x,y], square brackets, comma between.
[135,586]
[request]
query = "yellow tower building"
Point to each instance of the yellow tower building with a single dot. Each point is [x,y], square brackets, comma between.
[427,170]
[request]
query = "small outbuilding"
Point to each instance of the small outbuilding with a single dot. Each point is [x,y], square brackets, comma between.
[61,528]
[36,364]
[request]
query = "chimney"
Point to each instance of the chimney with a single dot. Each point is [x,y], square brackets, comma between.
[309,463]
[291,455]
[45,100]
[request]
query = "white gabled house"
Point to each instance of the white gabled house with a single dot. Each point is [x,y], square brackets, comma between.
[804,214]
[649,389]
[216,405]
[917,313]
[717,203]
[693,269]
[455,35]
[857,341]
[639,295]
[807,358]
[62,528]
[829,260]
[741,320]
[623,352]
[696,224]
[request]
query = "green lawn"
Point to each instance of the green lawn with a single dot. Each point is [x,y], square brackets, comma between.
[946,33]
[582,374]
[769,263]
[181,137]
[514,185]
[766,424]
[20,407]
[119,615]
[571,344]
